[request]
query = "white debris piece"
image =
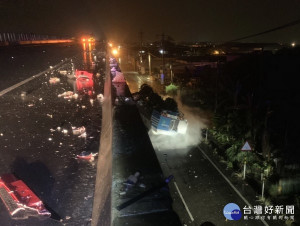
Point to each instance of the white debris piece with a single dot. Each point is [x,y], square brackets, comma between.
[54,80]
[1,134]
[23,94]
[50,139]
[51,116]
[92,101]
[83,106]
[65,131]
[63,72]
[100,97]
[50,67]
[58,128]
[30,105]
[52,130]
[68,217]
[68,95]
[142,186]
[40,99]
[83,135]
[78,130]
[132,179]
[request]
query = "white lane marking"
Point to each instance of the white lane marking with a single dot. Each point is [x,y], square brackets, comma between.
[27,80]
[185,205]
[139,78]
[228,181]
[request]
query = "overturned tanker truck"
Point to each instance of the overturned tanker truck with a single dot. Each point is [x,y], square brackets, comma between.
[160,116]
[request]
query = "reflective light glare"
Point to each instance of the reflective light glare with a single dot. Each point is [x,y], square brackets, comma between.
[293,44]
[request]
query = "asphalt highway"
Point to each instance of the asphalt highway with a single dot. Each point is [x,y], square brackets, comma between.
[37,141]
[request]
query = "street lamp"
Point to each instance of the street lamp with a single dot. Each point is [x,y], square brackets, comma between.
[115,52]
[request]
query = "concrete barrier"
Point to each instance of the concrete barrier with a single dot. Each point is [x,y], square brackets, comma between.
[101,214]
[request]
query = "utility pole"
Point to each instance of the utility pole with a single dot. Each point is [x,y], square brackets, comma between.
[141,38]
[162,51]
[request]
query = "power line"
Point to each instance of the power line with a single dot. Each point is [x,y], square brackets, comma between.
[268,31]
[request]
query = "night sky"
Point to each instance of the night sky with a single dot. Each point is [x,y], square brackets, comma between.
[190,20]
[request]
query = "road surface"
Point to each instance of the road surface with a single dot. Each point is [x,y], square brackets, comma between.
[37,143]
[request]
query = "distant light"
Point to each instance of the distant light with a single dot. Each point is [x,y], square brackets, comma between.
[161,51]
[115,52]
[110,44]
[293,44]
[83,39]
[216,52]
[119,47]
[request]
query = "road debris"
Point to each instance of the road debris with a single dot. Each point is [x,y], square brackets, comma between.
[86,155]
[78,130]
[54,80]
[132,179]
[68,95]
[51,116]
[63,72]
[19,199]
[100,97]
[83,135]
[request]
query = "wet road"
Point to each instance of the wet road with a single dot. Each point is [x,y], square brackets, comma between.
[200,191]
[37,143]
[19,62]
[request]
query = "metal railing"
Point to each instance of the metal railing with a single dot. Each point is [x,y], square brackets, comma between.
[7,38]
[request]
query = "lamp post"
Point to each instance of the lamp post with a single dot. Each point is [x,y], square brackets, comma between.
[149,59]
